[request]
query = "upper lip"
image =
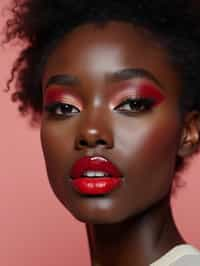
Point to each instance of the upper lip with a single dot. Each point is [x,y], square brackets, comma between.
[94,163]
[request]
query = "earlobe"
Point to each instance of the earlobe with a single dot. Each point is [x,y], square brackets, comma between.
[190,138]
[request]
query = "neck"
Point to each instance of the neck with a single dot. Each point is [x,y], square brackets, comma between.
[139,241]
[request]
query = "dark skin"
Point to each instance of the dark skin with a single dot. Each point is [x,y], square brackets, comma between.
[132,225]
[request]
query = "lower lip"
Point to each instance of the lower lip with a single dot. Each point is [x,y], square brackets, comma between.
[96,186]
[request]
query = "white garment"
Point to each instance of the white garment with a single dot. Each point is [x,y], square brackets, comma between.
[179,255]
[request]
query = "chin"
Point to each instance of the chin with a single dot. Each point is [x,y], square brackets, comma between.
[97,220]
[97,216]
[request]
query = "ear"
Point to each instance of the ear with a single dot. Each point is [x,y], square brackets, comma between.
[190,138]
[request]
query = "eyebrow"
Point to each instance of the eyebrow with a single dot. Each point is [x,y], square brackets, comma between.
[62,79]
[124,74]
[131,73]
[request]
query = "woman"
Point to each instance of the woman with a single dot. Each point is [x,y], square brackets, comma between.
[116,88]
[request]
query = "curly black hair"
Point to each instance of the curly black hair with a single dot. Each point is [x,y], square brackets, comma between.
[40,24]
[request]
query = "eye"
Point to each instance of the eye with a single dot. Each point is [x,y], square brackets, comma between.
[135,105]
[61,109]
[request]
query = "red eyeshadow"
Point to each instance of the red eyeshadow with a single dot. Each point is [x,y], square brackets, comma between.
[54,95]
[141,90]
[149,91]
[63,95]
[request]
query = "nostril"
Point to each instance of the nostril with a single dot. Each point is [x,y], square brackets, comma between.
[100,142]
[83,143]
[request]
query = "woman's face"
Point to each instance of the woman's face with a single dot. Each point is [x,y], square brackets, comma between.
[110,92]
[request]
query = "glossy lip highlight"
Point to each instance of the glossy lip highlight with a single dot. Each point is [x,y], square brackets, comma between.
[95,185]
[94,163]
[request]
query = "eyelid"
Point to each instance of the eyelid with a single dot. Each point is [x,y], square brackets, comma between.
[148,102]
[56,96]
[121,99]
[51,108]
[144,91]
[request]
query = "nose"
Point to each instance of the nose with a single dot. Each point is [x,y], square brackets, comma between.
[94,131]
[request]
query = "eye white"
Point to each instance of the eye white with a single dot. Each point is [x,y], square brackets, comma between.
[63,109]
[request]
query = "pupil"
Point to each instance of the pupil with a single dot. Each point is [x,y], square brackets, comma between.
[66,108]
[135,104]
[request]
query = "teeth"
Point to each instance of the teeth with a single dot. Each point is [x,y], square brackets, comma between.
[95,174]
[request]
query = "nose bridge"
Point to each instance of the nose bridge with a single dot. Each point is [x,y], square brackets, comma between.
[95,128]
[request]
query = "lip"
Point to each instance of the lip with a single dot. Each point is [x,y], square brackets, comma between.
[95,185]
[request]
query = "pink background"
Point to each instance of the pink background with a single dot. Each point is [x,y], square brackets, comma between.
[35,229]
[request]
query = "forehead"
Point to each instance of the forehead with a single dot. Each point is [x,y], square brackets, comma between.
[93,51]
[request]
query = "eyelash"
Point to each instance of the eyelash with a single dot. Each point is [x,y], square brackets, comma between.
[53,108]
[145,104]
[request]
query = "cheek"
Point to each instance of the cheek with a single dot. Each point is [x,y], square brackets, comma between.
[148,137]
[148,148]
[57,144]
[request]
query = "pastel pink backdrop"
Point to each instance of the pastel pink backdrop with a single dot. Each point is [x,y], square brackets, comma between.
[35,229]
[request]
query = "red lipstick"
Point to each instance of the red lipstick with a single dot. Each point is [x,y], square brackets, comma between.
[95,176]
